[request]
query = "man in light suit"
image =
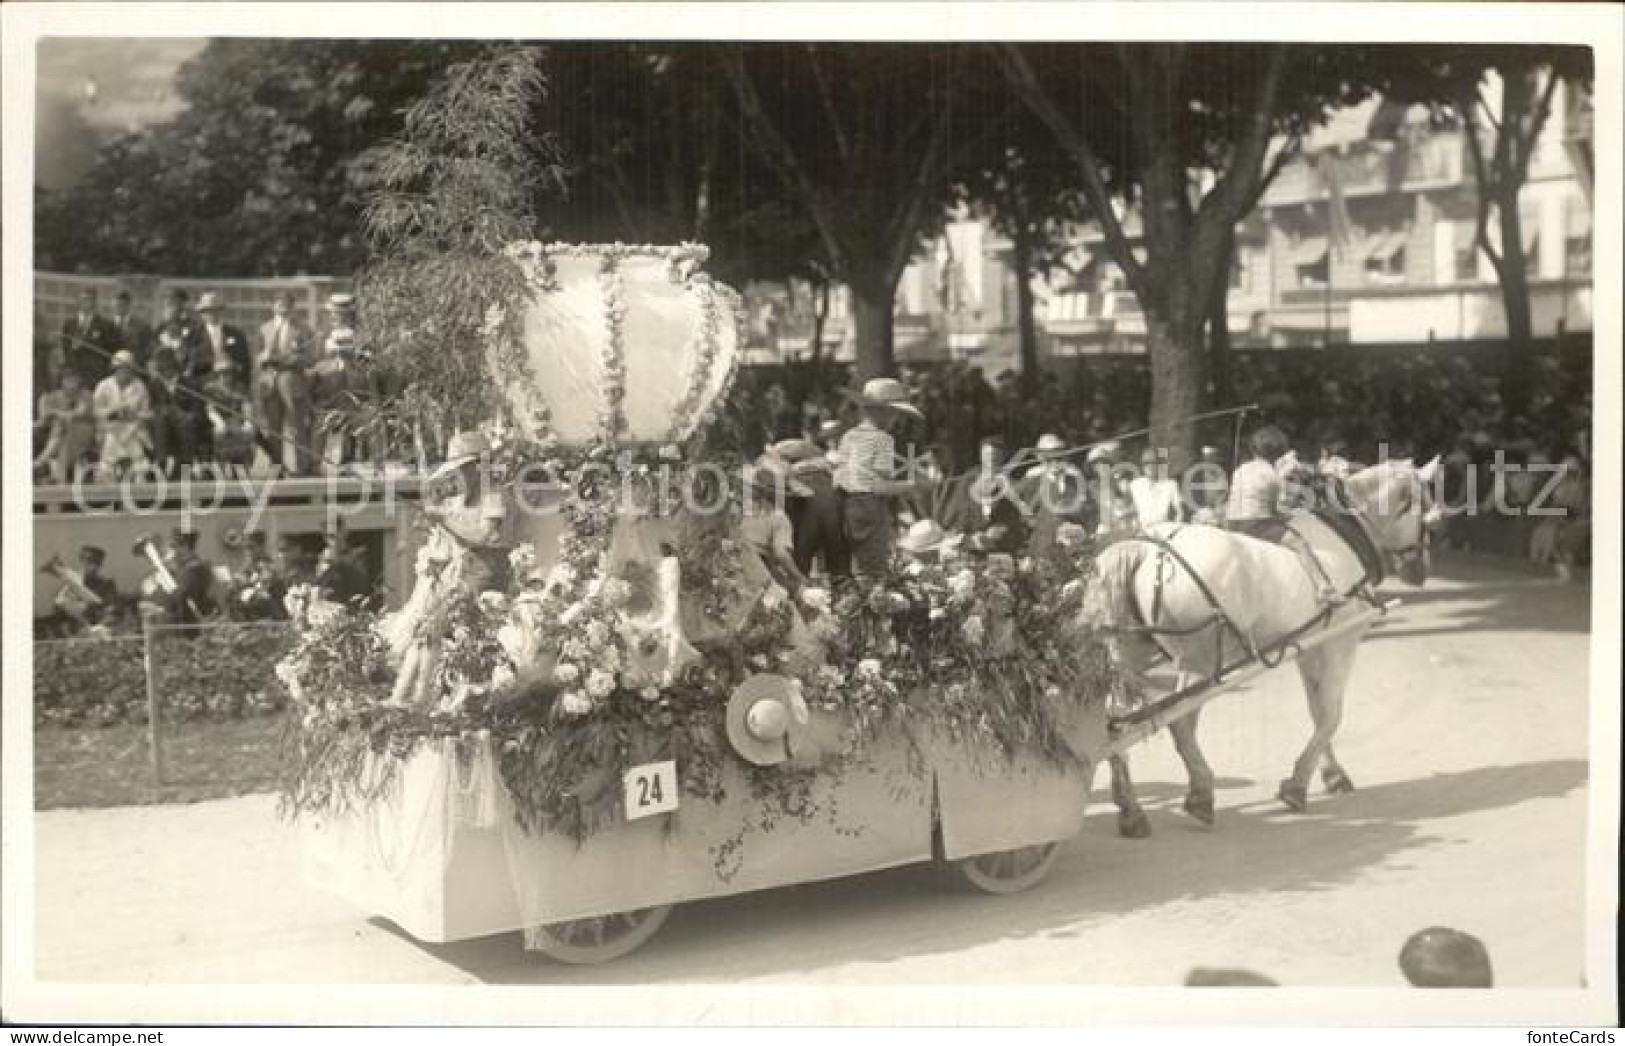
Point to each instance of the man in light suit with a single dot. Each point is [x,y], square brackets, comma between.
[282,387]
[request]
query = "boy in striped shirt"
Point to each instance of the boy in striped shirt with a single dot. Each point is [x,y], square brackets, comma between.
[866,476]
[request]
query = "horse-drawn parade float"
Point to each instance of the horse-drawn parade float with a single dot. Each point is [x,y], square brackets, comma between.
[599,700]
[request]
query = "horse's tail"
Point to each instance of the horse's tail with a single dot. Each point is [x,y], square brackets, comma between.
[1110,601]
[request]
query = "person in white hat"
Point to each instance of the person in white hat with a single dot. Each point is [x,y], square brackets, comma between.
[123,411]
[866,473]
[1053,491]
[221,341]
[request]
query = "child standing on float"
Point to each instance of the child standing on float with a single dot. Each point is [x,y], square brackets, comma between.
[866,474]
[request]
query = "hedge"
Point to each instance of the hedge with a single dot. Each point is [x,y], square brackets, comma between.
[221,672]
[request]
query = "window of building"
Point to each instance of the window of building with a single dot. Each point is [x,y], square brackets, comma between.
[1576,237]
[1385,257]
[1464,267]
[1309,262]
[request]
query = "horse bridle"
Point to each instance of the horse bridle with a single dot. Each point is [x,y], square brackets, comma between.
[1401,555]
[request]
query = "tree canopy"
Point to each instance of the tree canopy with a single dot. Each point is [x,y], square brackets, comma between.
[253,176]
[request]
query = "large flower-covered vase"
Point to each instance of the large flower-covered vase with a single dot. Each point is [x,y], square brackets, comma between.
[627,347]
[626,344]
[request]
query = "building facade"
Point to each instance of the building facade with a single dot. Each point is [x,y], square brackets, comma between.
[1367,236]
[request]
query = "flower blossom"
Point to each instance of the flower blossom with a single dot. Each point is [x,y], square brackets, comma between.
[600,683]
[575,703]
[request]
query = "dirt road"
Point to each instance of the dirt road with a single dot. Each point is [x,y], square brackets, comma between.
[1465,732]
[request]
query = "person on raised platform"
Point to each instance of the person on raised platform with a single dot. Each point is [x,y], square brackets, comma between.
[867,475]
[124,412]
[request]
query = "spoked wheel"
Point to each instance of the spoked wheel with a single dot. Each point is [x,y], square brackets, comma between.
[1009,871]
[602,938]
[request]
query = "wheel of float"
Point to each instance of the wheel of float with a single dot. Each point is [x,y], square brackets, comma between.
[1009,871]
[602,938]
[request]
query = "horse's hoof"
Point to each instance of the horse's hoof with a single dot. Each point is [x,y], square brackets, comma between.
[1337,782]
[1295,796]
[1200,806]
[1133,826]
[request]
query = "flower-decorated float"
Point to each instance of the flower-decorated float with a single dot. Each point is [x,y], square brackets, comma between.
[598,701]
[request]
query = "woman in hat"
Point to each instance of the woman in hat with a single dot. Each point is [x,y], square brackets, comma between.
[867,475]
[123,411]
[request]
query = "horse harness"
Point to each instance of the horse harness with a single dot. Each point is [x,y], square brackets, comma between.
[1349,529]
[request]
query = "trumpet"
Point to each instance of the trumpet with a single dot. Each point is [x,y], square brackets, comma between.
[74,598]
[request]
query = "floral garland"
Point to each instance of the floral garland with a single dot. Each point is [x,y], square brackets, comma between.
[612,418]
[702,350]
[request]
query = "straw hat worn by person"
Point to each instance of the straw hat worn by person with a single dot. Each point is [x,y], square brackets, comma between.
[867,474]
[123,409]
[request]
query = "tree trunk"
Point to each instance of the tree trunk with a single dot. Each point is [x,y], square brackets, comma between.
[1514,279]
[1218,319]
[1026,329]
[873,297]
[1178,378]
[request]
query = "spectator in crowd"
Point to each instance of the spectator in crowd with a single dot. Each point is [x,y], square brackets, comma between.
[129,331]
[281,388]
[339,314]
[87,340]
[178,435]
[338,386]
[1439,957]
[1114,515]
[178,334]
[1054,491]
[218,341]
[1210,487]
[123,414]
[229,418]
[1155,494]
[67,421]
[1571,531]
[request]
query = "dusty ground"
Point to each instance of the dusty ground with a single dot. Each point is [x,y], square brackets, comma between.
[1465,731]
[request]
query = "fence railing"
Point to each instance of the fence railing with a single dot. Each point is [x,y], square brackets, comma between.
[166,674]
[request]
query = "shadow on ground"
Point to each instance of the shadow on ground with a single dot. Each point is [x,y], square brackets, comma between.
[1254,850]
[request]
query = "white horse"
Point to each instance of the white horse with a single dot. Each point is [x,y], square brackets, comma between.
[1209,597]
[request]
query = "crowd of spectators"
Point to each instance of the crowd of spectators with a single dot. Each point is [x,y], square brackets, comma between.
[118,395]
[1353,407]
[1415,403]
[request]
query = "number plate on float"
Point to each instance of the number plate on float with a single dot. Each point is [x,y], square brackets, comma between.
[650,789]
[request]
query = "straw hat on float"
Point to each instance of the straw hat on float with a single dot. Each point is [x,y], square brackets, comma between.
[926,536]
[464,447]
[888,393]
[763,713]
